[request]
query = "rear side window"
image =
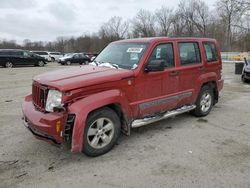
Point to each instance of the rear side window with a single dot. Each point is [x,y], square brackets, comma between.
[2,53]
[211,51]
[164,52]
[189,53]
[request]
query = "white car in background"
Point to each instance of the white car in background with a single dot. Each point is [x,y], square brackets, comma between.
[55,56]
[44,54]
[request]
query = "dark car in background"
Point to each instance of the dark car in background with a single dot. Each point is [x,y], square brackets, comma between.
[16,57]
[76,58]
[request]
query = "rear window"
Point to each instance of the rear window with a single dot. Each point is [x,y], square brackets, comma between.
[211,51]
[10,53]
[189,53]
[2,53]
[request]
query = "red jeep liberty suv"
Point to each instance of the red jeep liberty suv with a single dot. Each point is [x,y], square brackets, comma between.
[131,83]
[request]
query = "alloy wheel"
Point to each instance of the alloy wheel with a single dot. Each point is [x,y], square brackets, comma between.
[100,133]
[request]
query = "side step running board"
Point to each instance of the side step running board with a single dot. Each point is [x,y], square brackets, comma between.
[146,121]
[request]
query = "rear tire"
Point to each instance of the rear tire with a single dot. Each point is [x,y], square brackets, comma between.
[8,64]
[68,63]
[204,102]
[101,132]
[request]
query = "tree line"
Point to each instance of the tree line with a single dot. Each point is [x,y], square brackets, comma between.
[228,21]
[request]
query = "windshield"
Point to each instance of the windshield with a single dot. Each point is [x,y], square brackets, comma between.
[122,55]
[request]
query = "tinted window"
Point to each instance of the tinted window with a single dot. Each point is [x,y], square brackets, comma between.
[164,52]
[2,53]
[211,52]
[18,53]
[189,53]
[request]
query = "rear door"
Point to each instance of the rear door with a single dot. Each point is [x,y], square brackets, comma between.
[190,68]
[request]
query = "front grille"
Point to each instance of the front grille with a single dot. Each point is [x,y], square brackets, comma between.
[39,96]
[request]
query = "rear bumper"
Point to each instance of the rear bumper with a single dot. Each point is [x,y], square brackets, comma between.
[43,125]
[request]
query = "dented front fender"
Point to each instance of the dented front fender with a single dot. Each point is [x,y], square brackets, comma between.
[83,107]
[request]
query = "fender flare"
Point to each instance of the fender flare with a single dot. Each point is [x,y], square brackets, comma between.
[204,78]
[83,107]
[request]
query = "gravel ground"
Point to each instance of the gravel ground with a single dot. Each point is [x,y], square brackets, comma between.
[185,151]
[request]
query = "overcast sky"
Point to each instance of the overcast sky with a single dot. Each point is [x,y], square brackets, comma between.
[47,19]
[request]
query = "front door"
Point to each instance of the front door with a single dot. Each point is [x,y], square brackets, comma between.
[27,59]
[158,90]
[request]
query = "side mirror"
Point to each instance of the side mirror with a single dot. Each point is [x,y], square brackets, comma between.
[155,65]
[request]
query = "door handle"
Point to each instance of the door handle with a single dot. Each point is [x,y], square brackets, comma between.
[175,73]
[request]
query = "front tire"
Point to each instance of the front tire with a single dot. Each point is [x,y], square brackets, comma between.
[204,102]
[101,132]
[68,63]
[9,64]
[41,64]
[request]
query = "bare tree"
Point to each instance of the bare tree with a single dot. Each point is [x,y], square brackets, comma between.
[144,24]
[178,25]
[114,29]
[164,18]
[230,12]
[195,14]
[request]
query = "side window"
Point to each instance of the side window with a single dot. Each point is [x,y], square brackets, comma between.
[19,53]
[164,52]
[211,51]
[189,53]
[25,54]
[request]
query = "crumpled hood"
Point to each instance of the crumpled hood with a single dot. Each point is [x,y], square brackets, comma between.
[78,77]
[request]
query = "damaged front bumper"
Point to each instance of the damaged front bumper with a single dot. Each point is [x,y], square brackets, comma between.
[45,126]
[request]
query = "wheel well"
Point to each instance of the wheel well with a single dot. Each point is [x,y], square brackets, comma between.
[117,108]
[212,84]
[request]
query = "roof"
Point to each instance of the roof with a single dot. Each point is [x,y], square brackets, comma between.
[16,50]
[156,39]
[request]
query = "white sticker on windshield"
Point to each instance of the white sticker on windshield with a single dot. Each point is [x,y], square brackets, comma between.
[134,50]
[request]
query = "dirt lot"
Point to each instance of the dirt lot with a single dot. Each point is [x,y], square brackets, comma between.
[182,152]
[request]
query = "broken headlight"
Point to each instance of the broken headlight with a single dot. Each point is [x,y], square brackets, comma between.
[54,99]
